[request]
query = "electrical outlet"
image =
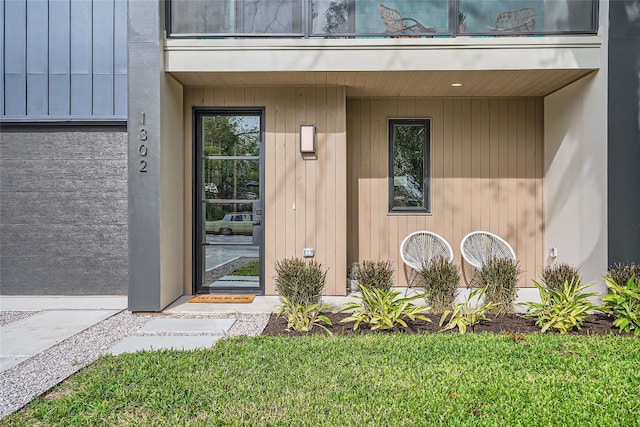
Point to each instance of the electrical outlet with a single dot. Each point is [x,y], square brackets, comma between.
[308,252]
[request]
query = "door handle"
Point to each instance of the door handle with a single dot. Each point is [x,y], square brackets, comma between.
[256,222]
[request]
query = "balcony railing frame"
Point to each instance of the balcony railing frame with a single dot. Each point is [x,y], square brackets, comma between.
[307,26]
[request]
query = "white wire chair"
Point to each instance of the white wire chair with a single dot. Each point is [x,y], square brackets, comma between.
[419,249]
[478,247]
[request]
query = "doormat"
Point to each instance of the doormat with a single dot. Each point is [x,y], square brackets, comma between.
[223,299]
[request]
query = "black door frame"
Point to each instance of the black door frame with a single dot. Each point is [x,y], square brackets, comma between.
[197,221]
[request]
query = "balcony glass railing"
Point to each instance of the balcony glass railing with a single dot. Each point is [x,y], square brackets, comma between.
[388,18]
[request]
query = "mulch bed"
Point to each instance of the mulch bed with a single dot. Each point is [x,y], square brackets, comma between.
[599,324]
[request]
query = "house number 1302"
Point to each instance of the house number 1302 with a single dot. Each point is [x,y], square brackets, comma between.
[142,148]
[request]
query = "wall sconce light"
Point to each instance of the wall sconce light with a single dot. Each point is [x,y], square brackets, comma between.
[307,139]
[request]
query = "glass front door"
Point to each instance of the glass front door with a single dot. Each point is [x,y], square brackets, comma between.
[228,209]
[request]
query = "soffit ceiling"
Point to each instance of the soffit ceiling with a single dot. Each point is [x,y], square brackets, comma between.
[486,83]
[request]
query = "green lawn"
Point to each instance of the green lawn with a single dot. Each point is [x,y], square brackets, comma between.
[252,268]
[373,380]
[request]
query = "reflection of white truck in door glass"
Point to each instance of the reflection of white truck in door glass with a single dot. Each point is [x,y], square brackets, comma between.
[232,223]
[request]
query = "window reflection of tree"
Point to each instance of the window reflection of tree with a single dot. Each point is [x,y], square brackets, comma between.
[408,165]
[234,136]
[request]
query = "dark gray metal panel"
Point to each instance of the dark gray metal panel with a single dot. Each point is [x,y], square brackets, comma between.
[15,24]
[624,134]
[59,36]
[81,35]
[59,90]
[81,99]
[2,59]
[120,37]
[103,36]
[62,60]
[102,94]
[59,58]
[37,37]
[15,90]
[81,61]
[120,59]
[15,79]
[120,94]
[63,210]
[37,98]
[37,58]
[103,65]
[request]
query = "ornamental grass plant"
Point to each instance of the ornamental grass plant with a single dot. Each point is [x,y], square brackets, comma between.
[374,274]
[500,278]
[301,282]
[622,272]
[555,275]
[440,281]
[300,285]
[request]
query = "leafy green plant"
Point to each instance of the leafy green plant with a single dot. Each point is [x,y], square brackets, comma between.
[303,318]
[464,315]
[302,283]
[382,309]
[374,274]
[621,272]
[623,302]
[500,277]
[440,281]
[561,310]
[555,275]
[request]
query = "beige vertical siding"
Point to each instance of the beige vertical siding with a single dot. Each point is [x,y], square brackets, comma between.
[486,174]
[305,197]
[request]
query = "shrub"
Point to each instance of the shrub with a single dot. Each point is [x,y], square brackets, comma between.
[555,275]
[463,315]
[561,310]
[500,277]
[302,283]
[380,309]
[622,272]
[440,281]
[303,318]
[623,302]
[374,274]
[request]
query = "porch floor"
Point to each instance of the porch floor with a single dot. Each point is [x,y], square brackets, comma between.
[269,303]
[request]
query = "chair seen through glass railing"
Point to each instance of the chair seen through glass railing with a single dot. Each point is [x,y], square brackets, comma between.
[380,18]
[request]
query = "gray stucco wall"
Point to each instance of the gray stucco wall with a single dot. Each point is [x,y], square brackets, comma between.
[63,210]
[624,132]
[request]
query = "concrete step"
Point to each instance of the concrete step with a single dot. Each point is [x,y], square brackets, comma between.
[134,344]
[198,325]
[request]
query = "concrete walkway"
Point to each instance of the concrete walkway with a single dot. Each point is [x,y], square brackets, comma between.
[54,319]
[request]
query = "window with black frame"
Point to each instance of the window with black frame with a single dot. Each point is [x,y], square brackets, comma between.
[409,165]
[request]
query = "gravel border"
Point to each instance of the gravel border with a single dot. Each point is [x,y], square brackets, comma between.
[33,377]
[7,317]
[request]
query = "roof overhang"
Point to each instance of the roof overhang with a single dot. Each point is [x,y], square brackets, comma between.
[486,67]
